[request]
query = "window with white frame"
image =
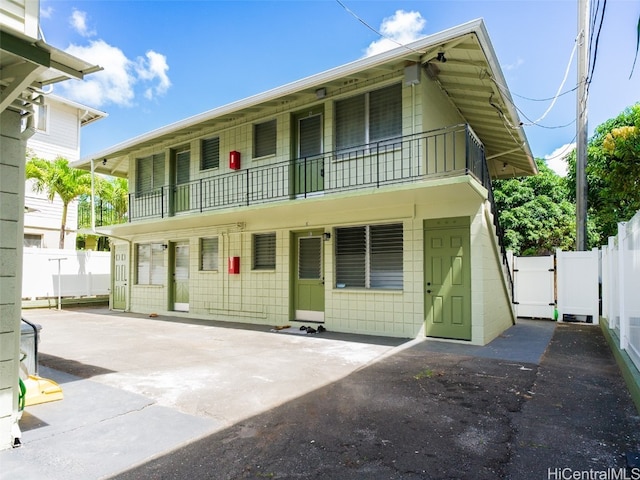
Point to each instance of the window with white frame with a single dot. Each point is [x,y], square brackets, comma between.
[41,117]
[150,267]
[149,173]
[264,251]
[32,240]
[368,118]
[210,153]
[369,256]
[209,254]
[264,139]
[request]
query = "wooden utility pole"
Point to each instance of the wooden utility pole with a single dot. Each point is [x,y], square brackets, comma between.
[581,126]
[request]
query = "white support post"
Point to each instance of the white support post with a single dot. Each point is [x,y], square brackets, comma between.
[624,319]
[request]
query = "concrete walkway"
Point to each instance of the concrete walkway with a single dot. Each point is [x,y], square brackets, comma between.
[168,398]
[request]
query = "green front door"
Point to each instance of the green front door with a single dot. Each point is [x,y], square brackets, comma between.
[309,163]
[181,276]
[308,271]
[447,279]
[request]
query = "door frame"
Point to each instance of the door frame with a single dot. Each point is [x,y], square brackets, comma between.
[316,162]
[125,247]
[315,316]
[173,305]
[463,224]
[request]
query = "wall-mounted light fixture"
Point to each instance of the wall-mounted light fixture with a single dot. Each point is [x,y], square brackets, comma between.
[165,246]
[441,57]
[326,236]
[321,93]
[104,161]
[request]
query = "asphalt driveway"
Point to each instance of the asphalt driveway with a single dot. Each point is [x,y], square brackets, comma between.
[163,398]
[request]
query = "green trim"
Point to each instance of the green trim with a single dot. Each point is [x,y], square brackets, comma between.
[24,49]
[628,369]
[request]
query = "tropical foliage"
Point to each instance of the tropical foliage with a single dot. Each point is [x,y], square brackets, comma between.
[57,178]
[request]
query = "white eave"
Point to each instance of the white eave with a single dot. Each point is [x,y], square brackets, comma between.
[471,78]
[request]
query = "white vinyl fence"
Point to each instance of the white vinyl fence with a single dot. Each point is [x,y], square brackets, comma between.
[49,273]
[621,286]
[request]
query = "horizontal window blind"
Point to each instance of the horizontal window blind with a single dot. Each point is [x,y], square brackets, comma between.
[264,139]
[183,163]
[209,254]
[150,268]
[210,153]
[385,113]
[370,256]
[350,122]
[351,256]
[310,258]
[264,251]
[386,256]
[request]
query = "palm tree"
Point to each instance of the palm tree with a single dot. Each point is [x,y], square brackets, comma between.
[115,192]
[58,178]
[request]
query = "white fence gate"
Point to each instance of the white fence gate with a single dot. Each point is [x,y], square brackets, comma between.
[534,286]
[571,286]
[82,273]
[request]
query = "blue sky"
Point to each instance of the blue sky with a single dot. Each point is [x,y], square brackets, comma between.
[168,60]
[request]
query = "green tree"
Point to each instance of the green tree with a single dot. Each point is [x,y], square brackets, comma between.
[58,178]
[536,212]
[613,173]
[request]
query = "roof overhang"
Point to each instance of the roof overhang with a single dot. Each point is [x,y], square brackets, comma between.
[471,78]
[27,65]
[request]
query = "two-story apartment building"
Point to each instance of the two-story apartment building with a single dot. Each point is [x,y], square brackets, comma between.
[358,198]
[57,122]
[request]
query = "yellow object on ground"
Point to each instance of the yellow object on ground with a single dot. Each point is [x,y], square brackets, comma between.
[41,390]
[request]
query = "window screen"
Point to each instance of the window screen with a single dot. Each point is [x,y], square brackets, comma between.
[150,267]
[210,153]
[264,139]
[149,173]
[370,117]
[209,254]
[264,251]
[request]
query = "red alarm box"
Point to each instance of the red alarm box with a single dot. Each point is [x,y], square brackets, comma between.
[234,265]
[234,160]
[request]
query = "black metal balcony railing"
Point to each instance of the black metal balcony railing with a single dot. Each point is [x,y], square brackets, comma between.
[450,151]
[105,214]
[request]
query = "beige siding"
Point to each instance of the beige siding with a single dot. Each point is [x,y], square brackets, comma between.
[62,136]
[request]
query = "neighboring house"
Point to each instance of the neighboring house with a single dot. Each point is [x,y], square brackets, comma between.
[27,66]
[57,122]
[359,198]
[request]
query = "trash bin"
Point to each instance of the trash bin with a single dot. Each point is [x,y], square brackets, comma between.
[29,339]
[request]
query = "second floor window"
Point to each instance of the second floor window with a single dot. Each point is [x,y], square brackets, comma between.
[264,139]
[149,173]
[210,153]
[368,118]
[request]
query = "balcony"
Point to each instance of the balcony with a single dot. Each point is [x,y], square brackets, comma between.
[445,152]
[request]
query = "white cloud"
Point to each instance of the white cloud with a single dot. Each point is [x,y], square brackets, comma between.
[556,160]
[400,28]
[154,66]
[78,21]
[112,85]
[513,66]
[116,83]
[46,12]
